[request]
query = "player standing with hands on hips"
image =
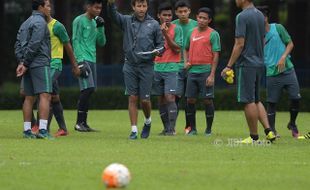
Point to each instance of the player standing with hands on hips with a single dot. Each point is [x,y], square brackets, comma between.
[143,40]
[88,31]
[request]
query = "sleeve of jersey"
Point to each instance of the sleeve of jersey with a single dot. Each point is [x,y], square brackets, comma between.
[101,39]
[61,32]
[285,37]
[77,33]
[215,41]
[187,40]
[178,36]
[240,27]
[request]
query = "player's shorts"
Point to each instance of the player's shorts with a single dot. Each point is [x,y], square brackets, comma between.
[55,73]
[91,80]
[138,79]
[182,80]
[287,81]
[37,80]
[248,83]
[196,86]
[164,83]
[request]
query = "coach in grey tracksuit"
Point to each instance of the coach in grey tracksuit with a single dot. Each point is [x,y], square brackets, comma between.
[141,34]
[33,52]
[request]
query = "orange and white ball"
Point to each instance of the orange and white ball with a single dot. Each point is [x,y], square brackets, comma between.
[116,175]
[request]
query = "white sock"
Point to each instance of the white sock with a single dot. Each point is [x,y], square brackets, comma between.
[148,120]
[43,124]
[134,128]
[27,126]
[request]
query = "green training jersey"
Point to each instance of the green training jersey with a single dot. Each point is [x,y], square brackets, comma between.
[85,36]
[171,67]
[186,28]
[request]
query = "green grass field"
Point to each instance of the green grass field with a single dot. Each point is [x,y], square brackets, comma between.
[160,163]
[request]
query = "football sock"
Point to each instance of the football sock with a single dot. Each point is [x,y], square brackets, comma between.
[134,128]
[43,124]
[33,120]
[172,114]
[147,120]
[191,115]
[59,116]
[83,104]
[81,117]
[187,121]
[294,109]
[254,137]
[271,113]
[27,126]
[50,117]
[267,131]
[209,112]
[163,112]
[177,102]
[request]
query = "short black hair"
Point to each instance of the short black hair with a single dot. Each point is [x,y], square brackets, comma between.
[37,3]
[164,7]
[91,2]
[206,10]
[265,10]
[133,2]
[182,3]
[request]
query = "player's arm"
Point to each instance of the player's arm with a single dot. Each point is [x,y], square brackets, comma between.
[286,39]
[187,42]
[21,69]
[216,48]
[69,51]
[118,18]
[101,38]
[171,43]
[77,35]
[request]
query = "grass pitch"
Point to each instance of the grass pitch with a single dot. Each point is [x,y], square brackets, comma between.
[160,163]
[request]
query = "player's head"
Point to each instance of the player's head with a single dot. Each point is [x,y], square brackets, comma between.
[165,13]
[266,11]
[139,7]
[182,10]
[242,3]
[204,17]
[93,7]
[42,6]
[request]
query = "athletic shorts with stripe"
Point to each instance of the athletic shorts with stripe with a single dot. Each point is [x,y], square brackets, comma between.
[196,86]
[164,83]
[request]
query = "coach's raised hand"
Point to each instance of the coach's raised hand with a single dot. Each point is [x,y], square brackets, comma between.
[111,1]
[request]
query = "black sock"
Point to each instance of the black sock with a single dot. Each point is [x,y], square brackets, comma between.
[191,115]
[294,109]
[209,112]
[50,117]
[59,115]
[187,120]
[271,112]
[163,112]
[254,137]
[172,114]
[33,120]
[267,131]
[177,102]
[83,105]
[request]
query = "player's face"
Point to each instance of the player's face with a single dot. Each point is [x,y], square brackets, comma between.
[46,9]
[165,16]
[95,9]
[140,9]
[203,20]
[238,3]
[183,13]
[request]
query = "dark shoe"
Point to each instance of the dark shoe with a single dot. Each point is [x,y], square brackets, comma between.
[29,135]
[133,135]
[44,134]
[294,130]
[80,127]
[146,131]
[87,127]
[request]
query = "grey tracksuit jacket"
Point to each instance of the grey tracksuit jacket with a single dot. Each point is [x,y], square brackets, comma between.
[33,46]
[139,36]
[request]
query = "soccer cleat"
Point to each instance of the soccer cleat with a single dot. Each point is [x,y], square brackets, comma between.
[294,130]
[80,127]
[271,136]
[163,132]
[87,127]
[146,131]
[29,135]
[187,129]
[133,135]
[248,140]
[192,132]
[61,132]
[35,129]
[306,136]
[208,132]
[44,134]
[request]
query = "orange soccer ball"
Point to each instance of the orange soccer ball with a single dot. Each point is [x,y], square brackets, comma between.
[116,175]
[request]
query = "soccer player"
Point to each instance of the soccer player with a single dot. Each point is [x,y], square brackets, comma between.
[248,54]
[183,10]
[143,40]
[87,32]
[280,71]
[32,50]
[166,69]
[201,56]
[59,41]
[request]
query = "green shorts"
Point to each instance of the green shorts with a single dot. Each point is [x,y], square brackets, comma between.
[37,81]
[165,83]
[287,81]
[196,86]
[248,83]
[55,73]
[138,79]
[182,80]
[91,80]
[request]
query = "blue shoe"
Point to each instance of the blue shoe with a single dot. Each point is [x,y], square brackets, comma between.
[44,134]
[146,131]
[133,135]
[29,135]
